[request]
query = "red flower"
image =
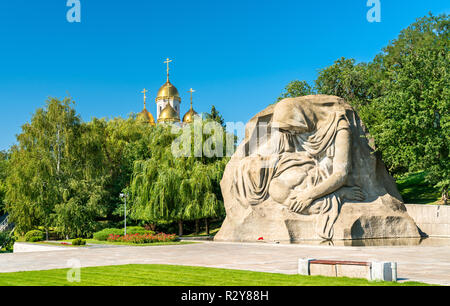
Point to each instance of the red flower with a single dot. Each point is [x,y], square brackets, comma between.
[260,238]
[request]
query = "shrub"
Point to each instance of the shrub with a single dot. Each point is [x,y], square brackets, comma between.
[78,241]
[34,236]
[6,241]
[132,230]
[105,233]
[142,238]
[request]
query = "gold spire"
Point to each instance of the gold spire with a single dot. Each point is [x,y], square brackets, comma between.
[191,91]
[145,115]
[145,97]
[168,61]
[168,91]
[189,116]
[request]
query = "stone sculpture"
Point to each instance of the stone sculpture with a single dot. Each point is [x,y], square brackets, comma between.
[305,170]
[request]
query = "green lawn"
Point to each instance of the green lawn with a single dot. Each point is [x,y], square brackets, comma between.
[165,275]
[415,190]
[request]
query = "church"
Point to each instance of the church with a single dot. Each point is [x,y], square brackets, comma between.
[168,103]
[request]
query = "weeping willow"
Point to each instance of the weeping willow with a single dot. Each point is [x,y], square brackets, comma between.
[165,188]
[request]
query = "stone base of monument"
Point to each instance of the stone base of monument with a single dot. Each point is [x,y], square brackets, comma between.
[374,271]
[274,222]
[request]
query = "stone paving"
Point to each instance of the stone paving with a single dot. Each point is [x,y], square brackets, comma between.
[430,264]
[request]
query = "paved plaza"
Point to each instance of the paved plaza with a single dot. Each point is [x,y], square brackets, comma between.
[430,264]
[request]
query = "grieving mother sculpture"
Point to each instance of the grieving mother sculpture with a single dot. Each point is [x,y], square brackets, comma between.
[306,171]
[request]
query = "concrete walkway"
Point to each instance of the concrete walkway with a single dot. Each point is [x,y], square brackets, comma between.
[430,264]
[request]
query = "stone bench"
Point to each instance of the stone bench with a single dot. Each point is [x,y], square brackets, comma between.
[374,271]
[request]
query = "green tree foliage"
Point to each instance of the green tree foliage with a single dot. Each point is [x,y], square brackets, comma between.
[56,174]
[356,83]
[41,164]
[3,175]
[297,89]
[169,188]
[216,116]
[410,121]
[68,174]
[156,181]
[123,141]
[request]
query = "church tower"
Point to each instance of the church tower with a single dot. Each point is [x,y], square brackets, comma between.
[145,115]
[168,101]
[189,116]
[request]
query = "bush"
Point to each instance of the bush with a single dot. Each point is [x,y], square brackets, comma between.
[105,233]
[34,236]
[132,230]
[79,241]
[6,241]
[143,238]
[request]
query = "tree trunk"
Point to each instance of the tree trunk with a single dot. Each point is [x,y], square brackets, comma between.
[207,226]
[197,227]
[58,157]
[445,196]
[180,228]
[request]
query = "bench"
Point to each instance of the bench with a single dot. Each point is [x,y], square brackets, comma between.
[385,271]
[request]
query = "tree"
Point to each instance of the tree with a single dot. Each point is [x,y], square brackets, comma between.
[41,164]
[156,181]
[166,188]
[410,121]
[56,175]
[123,141]
[296,89]
[215,115]
[358,83]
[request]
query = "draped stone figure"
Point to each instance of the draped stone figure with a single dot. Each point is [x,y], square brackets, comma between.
[305,170]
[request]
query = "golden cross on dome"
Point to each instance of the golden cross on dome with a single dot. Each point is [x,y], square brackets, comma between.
[145,97]
[191,91]
[168,61]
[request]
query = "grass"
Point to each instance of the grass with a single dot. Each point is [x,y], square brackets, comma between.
[415,190]
[166,275]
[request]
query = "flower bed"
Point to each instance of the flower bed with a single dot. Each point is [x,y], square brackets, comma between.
[142,238]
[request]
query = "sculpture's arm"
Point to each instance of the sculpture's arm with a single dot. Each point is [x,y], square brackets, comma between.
[341,168]
[282,191]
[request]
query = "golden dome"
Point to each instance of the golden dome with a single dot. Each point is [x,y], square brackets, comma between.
[168,91]
[168,114]
[189,116]
[146,116]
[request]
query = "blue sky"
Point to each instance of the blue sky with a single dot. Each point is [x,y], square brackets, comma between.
[237,54]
